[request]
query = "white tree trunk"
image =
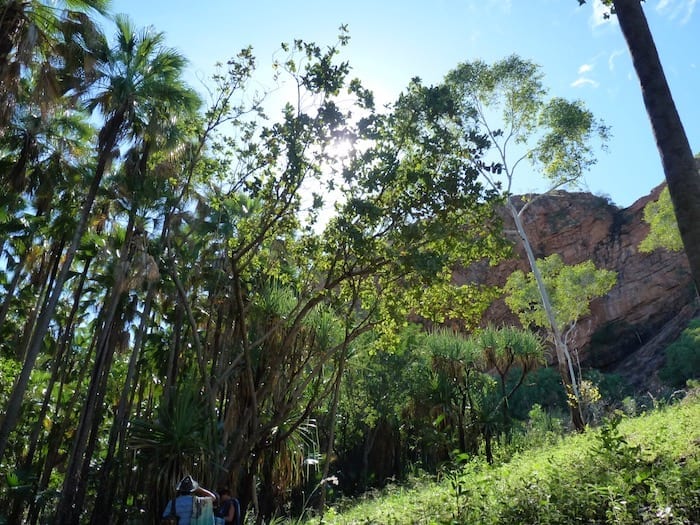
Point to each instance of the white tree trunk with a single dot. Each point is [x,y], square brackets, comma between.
[562,350]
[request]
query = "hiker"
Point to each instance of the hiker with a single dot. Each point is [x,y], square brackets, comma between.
[193,504]
[228,511]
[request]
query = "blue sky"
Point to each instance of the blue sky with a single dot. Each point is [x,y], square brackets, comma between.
[582,56]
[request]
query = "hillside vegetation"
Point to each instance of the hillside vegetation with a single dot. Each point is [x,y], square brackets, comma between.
[644,469]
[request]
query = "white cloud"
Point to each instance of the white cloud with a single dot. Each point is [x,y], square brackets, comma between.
[613,56]
[673,9]
[584,68]
[583,81]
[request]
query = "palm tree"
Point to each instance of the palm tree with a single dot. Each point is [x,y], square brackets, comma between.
[677,158]
[509,351]
[140,86]
[172,443]
[33,33]
[135,190]
[136,70]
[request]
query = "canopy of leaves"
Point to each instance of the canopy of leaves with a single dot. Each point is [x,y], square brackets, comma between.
[506,107]
[570,287]
[683,357]
[663,228]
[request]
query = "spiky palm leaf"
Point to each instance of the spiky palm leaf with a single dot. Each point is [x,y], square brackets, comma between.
[181,439]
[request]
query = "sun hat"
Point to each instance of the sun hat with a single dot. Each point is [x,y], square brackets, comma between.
[187,485]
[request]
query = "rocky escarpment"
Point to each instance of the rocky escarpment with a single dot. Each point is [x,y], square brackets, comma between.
[654,296]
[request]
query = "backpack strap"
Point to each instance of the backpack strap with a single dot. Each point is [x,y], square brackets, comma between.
[237,506]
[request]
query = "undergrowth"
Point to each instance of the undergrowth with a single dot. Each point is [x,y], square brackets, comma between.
[642,470]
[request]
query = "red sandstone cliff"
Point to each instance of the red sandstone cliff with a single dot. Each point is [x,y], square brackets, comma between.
[648,307]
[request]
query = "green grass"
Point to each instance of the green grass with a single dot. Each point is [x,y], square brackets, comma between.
[634,470]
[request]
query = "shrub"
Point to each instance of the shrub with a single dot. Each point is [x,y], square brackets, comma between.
[683,357]
[542,387]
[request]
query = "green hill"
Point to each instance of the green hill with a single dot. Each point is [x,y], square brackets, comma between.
[644,469]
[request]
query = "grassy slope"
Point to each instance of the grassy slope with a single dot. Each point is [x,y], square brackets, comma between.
[646,470]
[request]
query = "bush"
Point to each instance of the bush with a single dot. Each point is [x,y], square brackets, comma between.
[542,387]
[683,357]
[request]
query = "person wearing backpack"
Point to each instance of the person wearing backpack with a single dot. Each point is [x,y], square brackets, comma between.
[193,504]
[228,511]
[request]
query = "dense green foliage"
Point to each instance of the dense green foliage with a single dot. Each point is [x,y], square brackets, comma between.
[190,286]
[663,228]
[571,289]
[172,299]
[683,357]
[438,395]
[630,470]
[507,104]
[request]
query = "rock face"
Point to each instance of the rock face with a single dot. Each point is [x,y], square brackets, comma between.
[654,295]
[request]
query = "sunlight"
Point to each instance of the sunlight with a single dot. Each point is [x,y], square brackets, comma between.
[340,149]
[338,153]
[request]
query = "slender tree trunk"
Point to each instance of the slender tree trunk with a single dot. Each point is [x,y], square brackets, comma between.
[58,363]
[14,403]
[70,504]
[461,420]
[47,276]
[677,158]
[367,446]
[565,363]
[33,439]
[487,446]
[331,427]
[54,456]
[54,438]
[10,293]
[105,495]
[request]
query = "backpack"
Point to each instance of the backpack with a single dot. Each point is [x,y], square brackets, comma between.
[172,518]
[223,510]
[236,505]
[202,511]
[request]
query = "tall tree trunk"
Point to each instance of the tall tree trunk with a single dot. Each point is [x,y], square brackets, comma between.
[62,361]
[331,427]
[70,504]
[564,361]
[36,433]
[14,404]
[57,364]
[677,158]
[46,275]
[105,496]
[10,290]
[54,457]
